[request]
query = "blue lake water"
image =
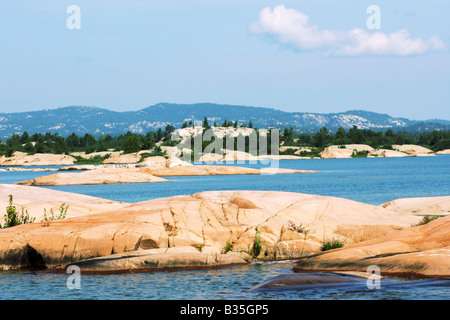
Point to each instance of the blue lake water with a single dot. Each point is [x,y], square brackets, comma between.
[369,180]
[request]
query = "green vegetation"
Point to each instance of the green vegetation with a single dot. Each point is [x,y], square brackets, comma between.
[333,244]
[54,143]
[314,153]
[426,219]
[360,154]
[131,142]
[256,248]
[228,247]
[12,218]
[92,160]
[53,217]
[434,140]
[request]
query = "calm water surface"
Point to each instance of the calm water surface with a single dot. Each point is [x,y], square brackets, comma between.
[370,180]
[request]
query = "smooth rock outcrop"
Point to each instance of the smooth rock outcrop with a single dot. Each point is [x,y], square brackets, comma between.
[34,200]
[344,151]
[307,280]
[38,159]
[203,220]
[413,149]
[98,176]
[157,259]
[336,153]
[420,206]
[422,251]
[123,158]
[208,170]
[386,153]
[446,151]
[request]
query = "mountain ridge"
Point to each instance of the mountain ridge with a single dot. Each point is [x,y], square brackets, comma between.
[98,121]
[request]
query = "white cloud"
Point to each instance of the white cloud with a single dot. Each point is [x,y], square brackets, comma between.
[291,27]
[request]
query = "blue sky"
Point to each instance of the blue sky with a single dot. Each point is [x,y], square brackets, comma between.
[132,54]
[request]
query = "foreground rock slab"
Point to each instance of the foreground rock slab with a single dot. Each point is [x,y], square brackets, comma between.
[34,200]
[206,221]
[157,259]
[307,280]
[422,251]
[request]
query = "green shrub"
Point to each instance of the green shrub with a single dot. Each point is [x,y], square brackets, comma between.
[360,154]
[228,247]
[425,220]
[12,218]
[315,152]
[333,244]
[92,160]
[52,217]
[256,248]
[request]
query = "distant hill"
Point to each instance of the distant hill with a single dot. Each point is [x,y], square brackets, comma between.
[99,121]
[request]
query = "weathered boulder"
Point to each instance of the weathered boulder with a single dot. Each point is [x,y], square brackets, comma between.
[422,251]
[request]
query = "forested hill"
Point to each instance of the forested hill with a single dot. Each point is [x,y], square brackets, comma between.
[97,121]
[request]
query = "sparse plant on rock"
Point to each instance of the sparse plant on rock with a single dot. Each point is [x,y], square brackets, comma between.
[228,247]
[52,217]
[12,218]
[331,244]
[425,220]
[297,228]
[256,248]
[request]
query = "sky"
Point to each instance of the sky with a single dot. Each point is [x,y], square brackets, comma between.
[297,56]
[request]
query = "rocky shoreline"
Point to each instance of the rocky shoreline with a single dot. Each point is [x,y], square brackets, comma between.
[222,228]
[21,159]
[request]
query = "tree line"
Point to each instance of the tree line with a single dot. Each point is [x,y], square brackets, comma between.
[435,140]
[132,142]
[57,144]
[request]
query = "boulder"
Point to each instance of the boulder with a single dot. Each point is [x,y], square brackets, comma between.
[422,251]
